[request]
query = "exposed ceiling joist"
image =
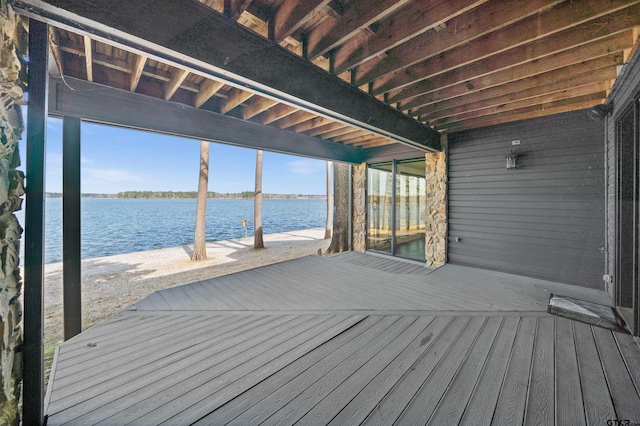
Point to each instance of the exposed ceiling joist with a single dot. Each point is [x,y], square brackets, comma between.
[464,28]
[292,14]
[408,22]
[136,72]
[189,39]
[102,104]
[174,83]
[497,70]
[236,97]
[596,17]
[208,88]
[358,15]
[88,55]
[234,8]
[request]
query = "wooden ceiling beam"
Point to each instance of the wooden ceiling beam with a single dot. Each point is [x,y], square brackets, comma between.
[88,56]
[352,135]
[408,22]
[292,14]
[276,113]
[600,69]
[234,8]
[311,124]
[483,75]
[97,103]
[596,15]
[370,143]
[533,111]
[257,105]
[139,66]
[543,98]
[190,38]
[176,80]
[596,76]
[208,88]
[357,16]
[338,132]
[136,72]
[484,19]
[359,139]
[293,119]
[319,131]
[236,97]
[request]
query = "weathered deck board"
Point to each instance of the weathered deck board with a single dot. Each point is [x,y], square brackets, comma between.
[285,344]
[568,391]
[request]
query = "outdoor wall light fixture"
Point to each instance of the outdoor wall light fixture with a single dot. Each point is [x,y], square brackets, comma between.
[512,161]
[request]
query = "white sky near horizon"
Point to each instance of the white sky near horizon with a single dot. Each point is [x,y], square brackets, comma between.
[115,160]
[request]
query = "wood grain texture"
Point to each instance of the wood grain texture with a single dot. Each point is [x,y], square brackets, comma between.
[569,403]
[541,396]
[595,392]
[513,394]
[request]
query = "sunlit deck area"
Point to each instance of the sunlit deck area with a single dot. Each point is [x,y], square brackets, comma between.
[349,339]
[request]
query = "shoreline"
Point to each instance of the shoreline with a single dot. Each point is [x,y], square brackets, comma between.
[110,284]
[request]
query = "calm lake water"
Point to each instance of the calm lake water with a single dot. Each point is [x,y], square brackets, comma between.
[117,226]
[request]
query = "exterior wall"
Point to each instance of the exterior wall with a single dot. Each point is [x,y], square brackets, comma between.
[359,227]
[544,219]
[436,211]
[11,190]
[625,87]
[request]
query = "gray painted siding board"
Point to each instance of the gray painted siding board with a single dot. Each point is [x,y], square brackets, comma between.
[543,219]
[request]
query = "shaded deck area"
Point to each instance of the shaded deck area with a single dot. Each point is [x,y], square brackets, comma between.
[350,339]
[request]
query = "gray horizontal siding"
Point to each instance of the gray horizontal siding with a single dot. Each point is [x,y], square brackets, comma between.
[546,218]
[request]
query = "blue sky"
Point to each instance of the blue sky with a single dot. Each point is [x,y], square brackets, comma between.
[116,159]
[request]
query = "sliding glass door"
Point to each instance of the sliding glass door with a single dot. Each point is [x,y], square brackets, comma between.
[396,208]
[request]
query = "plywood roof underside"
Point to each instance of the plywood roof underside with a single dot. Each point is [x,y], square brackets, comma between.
[450,64]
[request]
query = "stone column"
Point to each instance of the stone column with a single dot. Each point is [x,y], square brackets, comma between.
[436,220]
[359,242]
[12,44]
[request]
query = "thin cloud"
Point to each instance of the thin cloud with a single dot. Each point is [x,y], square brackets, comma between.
[306,167]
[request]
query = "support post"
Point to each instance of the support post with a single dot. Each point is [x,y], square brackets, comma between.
[72,300]
[394,169]
[33,367]
[350,207]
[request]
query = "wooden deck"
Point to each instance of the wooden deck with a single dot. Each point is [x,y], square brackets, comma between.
[386,343]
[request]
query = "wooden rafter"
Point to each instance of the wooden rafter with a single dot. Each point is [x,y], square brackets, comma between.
[601,66]
[350,136]
[276,113]
[332,33]
[483,75]
[485,19]
[596,16]
[176,80]
[88,56]
[320,131]
[236,97]
[136,72]
[403,25]
[292,14]
[543,98]
[294,119]
[533,111]
[257,105]
[208,88]
[311,124]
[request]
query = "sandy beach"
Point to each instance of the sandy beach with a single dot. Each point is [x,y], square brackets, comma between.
[112,283]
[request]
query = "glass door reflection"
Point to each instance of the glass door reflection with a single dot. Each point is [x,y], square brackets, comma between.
[411,201]
[379,211]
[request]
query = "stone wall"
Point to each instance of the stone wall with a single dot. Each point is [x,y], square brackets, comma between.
[359,227]
[11,191]
[436,221]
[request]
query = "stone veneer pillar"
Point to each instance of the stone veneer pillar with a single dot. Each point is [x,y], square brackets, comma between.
[359,227]
[436,211]
[13,36]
